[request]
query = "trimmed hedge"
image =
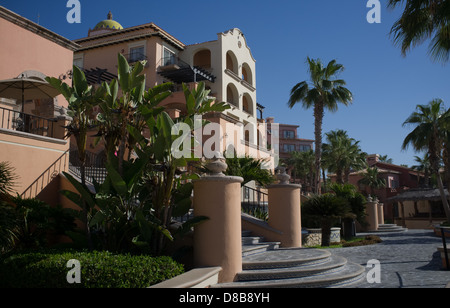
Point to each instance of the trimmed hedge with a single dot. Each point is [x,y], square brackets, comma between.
[98,270]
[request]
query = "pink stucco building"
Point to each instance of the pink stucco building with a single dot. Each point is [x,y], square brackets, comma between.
[33,142]
[289,140]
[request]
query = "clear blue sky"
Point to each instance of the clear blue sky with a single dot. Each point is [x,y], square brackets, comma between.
[281,34]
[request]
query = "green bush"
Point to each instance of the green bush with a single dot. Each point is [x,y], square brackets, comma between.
[98,270]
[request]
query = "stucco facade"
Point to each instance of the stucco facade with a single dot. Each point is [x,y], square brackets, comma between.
[226,66]
[37,151]
[28,47]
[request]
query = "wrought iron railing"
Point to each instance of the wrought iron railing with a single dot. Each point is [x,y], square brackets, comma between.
[135,57]
[255,202]
[28,123]
[95,166]
[46,177]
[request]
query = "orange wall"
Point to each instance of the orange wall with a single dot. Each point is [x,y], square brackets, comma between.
[106,57]
[30,155]
[23,50]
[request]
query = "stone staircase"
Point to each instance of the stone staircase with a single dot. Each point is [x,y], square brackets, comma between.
[265,265]
[390,228]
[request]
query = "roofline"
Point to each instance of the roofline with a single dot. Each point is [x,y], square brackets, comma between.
[37,29]
[159,32]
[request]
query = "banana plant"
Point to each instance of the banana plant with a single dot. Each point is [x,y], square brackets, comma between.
[166,178]
[81,98]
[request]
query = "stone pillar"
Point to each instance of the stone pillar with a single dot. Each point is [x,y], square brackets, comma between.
[218,241]
[284,211]
[380,214]
[59,129]
[372,214]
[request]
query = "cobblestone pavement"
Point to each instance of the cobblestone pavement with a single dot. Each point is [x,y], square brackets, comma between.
[407,260]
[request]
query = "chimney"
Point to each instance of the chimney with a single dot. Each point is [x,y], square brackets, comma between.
[373,159]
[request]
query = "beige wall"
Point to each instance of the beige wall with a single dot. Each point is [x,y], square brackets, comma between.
[234,43]
[30,155]
[106,57]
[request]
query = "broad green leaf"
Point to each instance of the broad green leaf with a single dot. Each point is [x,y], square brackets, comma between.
[116,180]
[84,191]
[98,218]
[182,207]
[123,73]
[80,84]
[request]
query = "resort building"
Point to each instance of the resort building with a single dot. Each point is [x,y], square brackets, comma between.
[289,140]
[398,179]
[31,113]
[225,65]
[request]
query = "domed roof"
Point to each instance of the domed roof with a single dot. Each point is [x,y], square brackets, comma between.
[109,23]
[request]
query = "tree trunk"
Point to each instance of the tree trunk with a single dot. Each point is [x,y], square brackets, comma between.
[443,197]
[326,232]
[434,151]
[324,180]
[318,116]
[84,205]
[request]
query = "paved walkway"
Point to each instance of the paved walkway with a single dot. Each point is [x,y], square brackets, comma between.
[407,260]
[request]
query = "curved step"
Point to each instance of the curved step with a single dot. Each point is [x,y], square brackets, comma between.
[390,228]
[258,248]
[333,263]
[285,257]
[349,274]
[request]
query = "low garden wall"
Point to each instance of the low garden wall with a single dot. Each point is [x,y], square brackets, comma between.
[313,236]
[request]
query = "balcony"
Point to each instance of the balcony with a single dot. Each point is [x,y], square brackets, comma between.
[22,122]
[179,71]
[135,57]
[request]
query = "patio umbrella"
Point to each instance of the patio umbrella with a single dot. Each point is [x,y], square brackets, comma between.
[23,89]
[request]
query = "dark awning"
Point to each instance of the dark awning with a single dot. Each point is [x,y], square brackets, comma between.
[98,75]
[418,194]
[178,71]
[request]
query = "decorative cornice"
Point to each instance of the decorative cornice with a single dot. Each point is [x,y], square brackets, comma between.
[37,29]
[111,35]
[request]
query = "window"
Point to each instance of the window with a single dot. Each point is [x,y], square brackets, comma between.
[168,57]
[304,148]
[137,54]
[288,134]
[288,148]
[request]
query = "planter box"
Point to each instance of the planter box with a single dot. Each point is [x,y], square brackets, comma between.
[313,237]
[437,231]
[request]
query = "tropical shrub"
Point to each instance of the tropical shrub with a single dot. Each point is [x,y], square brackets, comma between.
[133,208]
[28,223]
[250,169]
[325,209]
[7,179]
[98,270]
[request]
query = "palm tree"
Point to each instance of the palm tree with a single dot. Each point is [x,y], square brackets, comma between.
[422,20]
[446,150]
[429,134]
[424,167]
[371,179]
[302,164]
[250,169]
[342,154]
[385,159]
[323,91]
